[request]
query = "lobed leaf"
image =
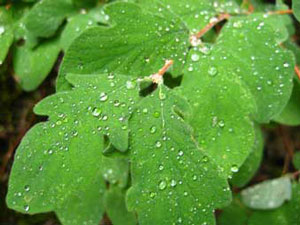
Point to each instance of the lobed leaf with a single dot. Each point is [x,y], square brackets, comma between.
[173,180]
[221,109]
[137,42]
[58,163]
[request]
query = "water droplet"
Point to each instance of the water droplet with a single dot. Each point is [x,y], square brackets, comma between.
[180,153]
[27,188]
[161,167]
[234,169]
[158,144]
[103,97]
[153,129]
[130,85]
[162,185]
[26,208]
[212,71]
[173,183]
[2,30]
[152,194]
[96,112]
[156,114]
[195,57]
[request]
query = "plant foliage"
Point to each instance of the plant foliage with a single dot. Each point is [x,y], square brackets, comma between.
[158,107]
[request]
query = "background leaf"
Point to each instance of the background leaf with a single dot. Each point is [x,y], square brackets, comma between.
[269,194]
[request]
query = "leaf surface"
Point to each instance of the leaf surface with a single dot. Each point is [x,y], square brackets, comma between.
[116,207]
[296,9]
[6,33]
[173,180]
[137,42]
[266,73]
[33,65]
[252,163]
[221,109]
[58,163]
[47,15]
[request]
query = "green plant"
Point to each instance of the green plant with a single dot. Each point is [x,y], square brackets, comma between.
[156,112]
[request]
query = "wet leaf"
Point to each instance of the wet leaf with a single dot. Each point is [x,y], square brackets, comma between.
[252,163]
[58,163]
[173,180]
[137,42]
[116,207]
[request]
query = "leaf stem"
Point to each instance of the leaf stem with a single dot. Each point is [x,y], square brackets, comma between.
[281,12]
[164,69]
[214,22]
[157,78]
[297,71]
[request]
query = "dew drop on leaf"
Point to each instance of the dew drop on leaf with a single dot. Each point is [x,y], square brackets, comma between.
[212,71]
[103,97]
[162,185]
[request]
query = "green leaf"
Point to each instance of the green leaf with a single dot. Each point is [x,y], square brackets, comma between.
[296,9]
[269,194]
[85,207]
[173,180]
[73,29]
[252,163]
[116,207]
[136,43]
[59,161]
[221,109]
[267,73]
[288,214]
[296,160]
[115,171]
[291,113]
[234,214]
[47,15]
[6,33]
[195,14]
[33,65]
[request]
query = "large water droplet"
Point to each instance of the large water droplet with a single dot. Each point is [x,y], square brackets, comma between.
[162,185]
[103,97]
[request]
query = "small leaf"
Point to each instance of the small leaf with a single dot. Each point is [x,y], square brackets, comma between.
[116,207]
[173,180]
[47,15]
[33,65]
[296,9]
[269,194]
